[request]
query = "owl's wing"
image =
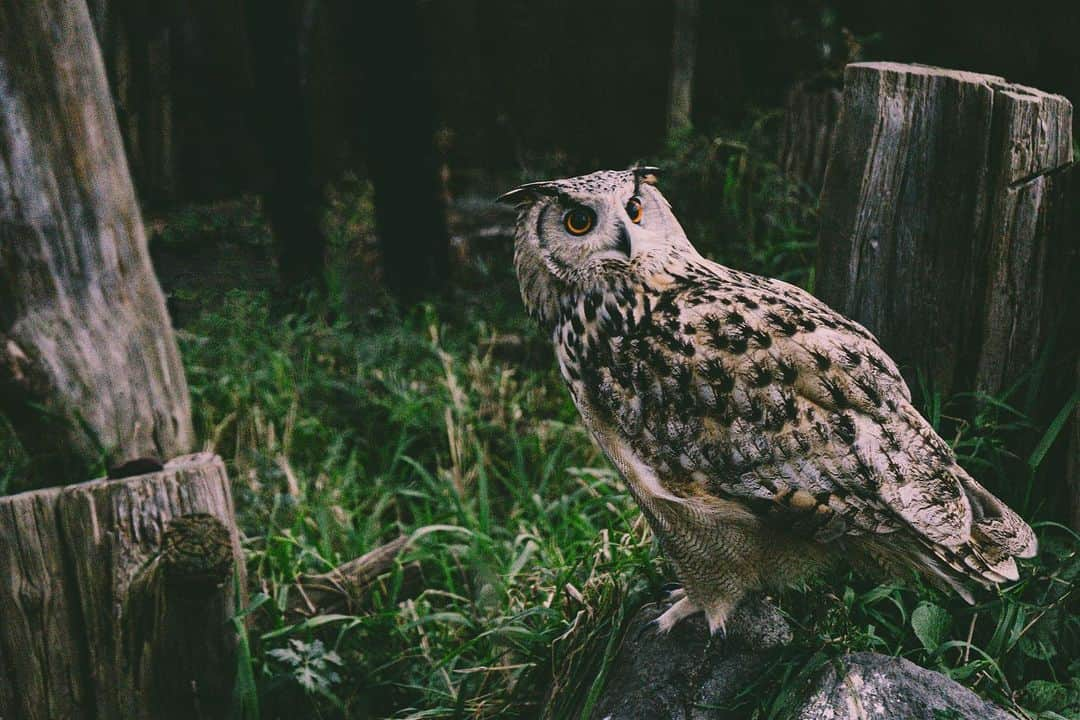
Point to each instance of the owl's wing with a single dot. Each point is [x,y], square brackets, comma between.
[764,394]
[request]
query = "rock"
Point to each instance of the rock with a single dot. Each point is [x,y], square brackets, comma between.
[685,675]
[878,687]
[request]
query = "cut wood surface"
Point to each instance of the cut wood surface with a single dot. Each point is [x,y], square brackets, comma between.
[117,597]
[89,368]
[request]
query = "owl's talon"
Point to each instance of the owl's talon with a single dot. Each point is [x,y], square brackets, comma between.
[674,614]
[717,625]
[673,591]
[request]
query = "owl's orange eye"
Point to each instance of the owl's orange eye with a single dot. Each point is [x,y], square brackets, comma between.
[634,210]
[579,221]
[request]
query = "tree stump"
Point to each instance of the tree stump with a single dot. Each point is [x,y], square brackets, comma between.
[941,221]
[118,595]
[948,228]
[806,135]
[89,370]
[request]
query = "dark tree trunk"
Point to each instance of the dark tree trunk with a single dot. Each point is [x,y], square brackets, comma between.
[117,597]
[403,164]
[89,369]
[806,136]
[282,116]
[683,60]
[945,230]
[181,82]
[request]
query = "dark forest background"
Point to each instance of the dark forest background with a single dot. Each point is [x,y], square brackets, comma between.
[435,99]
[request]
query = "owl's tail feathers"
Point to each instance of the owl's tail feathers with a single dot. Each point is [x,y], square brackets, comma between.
[995,528]
[998,536]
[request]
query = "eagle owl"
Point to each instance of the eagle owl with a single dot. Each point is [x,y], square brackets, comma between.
[761,433]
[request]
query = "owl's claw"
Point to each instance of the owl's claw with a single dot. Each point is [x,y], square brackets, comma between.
[670,618]
[717,624]
[673,591]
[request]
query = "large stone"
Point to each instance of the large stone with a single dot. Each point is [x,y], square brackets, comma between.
[869,686]
[685,675]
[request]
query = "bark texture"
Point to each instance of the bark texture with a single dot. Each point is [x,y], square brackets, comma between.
[942,221]
[89,369]
[948,228]
[348,587]
[806,136]
[118,595]
[683,60]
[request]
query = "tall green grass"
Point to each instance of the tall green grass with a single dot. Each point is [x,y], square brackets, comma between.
[341,436]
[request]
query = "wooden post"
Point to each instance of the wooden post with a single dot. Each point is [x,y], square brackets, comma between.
[89,369]
[948,224]
[117,597]
[940,220]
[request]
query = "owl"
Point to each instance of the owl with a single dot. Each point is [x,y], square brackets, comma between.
[762,434]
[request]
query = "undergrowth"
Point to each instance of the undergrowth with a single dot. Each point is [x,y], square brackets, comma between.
[532,553]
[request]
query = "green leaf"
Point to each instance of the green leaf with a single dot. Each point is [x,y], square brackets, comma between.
[930,624]
[1046,695]
[1051,433]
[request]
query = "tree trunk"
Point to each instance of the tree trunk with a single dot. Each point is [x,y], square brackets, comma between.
[117,597]
[806,136]
[946,229]
[402,160]
[89,369]
[683,57]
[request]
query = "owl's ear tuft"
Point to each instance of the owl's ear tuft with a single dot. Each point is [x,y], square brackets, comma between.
[648,174]
[527,193]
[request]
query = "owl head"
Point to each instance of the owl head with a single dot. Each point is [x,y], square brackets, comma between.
[585,232]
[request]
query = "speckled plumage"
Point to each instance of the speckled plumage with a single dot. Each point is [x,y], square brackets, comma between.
[761,433]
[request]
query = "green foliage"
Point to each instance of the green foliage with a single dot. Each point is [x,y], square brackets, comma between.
[342,435]
[930,624]
[451,425]
[737,206]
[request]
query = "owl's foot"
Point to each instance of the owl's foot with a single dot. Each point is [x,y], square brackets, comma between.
[663,624]
[674,614]
[717,616]
[717,625]
[673,591]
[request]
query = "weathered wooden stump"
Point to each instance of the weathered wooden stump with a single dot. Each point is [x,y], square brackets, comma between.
[806,134]
[948,228]
[117,597]
[90,374]
[940,220]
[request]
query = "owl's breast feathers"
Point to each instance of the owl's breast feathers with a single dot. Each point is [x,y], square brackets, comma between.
[735,387]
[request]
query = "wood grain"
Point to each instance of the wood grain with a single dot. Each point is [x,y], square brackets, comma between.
[96,622]
[90,374]
[941,222]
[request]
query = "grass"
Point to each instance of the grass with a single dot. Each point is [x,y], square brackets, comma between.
[340,437]
[352,423]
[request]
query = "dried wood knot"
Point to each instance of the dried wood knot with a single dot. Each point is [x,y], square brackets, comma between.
[197,554]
